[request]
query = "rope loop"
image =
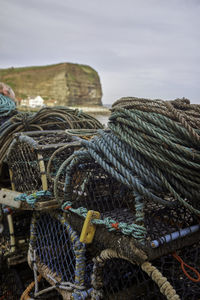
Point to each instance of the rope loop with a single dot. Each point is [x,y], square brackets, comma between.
[183,265]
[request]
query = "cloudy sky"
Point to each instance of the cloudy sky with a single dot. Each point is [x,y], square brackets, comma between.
[143,48]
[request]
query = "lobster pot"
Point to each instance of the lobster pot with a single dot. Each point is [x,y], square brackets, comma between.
[118,279]
[184,278]
[58,254]
[11,285]
[158,229]
[15,235]
[28,157]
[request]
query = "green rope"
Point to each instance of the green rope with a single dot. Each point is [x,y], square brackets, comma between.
[33,198]
[173,159]
[150,149]
[137,231]
[7,106]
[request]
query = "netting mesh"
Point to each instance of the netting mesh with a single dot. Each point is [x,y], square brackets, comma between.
[58,248]
[123,280]
[108,277]
[91,187]
[117,278]
[54,248]
[29,155]
[171,268]
[16,279]
[11,286]
[21,224]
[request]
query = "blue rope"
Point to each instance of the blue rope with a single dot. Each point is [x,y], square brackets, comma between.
[32,198]
[7,106]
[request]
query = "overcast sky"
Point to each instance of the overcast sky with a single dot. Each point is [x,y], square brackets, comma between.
[139,48]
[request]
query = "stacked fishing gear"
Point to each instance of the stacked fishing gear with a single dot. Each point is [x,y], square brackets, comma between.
[27,155]
[56,118]
[152,162]
[142,176]
[115,212]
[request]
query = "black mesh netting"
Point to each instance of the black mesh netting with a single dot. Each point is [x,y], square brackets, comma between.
[21,224]
[12,286]
[27,155]
[171,269]
[89,186]
[15,280]
[123,280]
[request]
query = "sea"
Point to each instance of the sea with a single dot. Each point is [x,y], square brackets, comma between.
[102,118]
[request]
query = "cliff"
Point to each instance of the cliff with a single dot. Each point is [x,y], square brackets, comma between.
[69,84]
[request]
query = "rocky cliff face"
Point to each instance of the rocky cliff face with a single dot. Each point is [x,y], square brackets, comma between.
[69,84]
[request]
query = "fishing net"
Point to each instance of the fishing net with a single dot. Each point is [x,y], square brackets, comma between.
[186,288]
[11,286]
[55,118]
[15,280]
[58,254]
[142,174]
[14,245]
[80,271]
[119,279]
[90,187]
[28,157]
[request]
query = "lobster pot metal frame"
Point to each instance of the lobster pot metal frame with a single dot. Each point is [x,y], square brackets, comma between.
[116,278]
[182,269]
[28,157]
[155,228]
[57,254]
[15,235]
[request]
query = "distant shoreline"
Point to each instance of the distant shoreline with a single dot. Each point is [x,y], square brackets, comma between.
[95,110]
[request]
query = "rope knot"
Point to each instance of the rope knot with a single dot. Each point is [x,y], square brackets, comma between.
[67,207]
[115,225]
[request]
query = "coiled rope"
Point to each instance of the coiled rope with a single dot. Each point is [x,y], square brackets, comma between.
[172,147]
[153,148]
[7,106]
[45,119]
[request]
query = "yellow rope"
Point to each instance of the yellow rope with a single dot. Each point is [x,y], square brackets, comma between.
[165,287]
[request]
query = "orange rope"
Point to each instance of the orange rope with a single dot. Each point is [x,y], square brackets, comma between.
[115,225]
[25,295]
[183,265]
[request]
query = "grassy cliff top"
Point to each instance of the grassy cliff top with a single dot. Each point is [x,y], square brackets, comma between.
[65,82]
[13,70]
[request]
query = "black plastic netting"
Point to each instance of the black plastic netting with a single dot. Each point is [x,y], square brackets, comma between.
[123,280]
[11,287]
[171,268]
[21,225]
[28,159]
[15,280]
[91,187]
